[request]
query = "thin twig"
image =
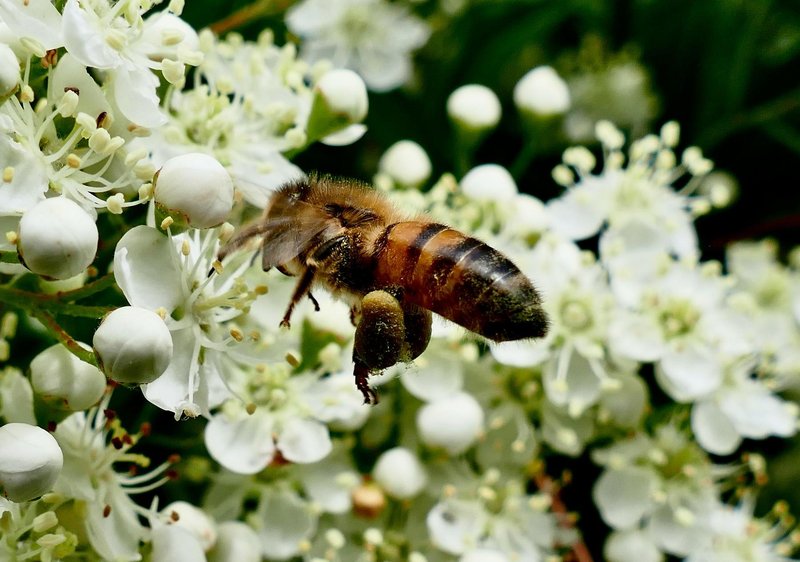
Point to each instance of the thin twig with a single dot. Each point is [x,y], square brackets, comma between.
[248,14]
[546,484]
[61,335]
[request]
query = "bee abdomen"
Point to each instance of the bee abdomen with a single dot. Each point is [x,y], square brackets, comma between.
[462,279]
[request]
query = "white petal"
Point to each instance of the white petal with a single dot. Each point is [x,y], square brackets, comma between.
[484,555]
[256,179]
[37,19]
[29,183]
[579,389]
[171,390]
[636,336]
[84,38]
[335,400]
[237,542]
[116,535]
[714,431]
[580,212]
[244,446]
[70,73]
[631,546]
[145,269]
[330,482]
[688,373]
[455,525]
[171,542]
[436,374]
[346,136]
[520,353]
[304,441]
[756,413]
[674,537]
[286,523]
[134,90]
[624,495]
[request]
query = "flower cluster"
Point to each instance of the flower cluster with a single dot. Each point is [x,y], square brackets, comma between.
[660,375]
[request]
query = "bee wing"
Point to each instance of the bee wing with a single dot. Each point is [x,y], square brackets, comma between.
[286,237]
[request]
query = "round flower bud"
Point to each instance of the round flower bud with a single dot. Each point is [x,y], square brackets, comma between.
[368,499]
[30,461]
[9,71]
[57,238]
[452,423]
[542,92]
[340,101]
[194,520]
[345,94]
[64,382]
[196,188]
[406,163]
[400,473]
[489,182]
[474,107]
[133,345]
[236,542]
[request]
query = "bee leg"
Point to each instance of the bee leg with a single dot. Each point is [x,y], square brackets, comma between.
[417,321]
[302,288]
[314,301]
[380,338]
[361,373]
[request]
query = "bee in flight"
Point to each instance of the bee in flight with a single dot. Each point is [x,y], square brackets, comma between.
[346,237]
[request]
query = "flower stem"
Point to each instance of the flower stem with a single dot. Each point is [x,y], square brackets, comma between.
[250,13]
[31,301]
[62,336]
[9,257]
[546,484]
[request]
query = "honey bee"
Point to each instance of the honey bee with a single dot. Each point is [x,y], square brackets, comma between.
[344,236]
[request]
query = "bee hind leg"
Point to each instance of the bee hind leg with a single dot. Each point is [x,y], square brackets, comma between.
[380,339]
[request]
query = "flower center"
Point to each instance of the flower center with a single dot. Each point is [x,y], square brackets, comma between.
[679,317]
[575,315]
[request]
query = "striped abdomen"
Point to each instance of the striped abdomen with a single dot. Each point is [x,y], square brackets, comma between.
[460,278]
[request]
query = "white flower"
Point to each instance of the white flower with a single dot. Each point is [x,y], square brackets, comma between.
[474,107]
[493,514]
[170,274]
[400,473]
[663,484]
[100,36]
[373,37]
[38,157]
[641,193]
[65,382]
[57,238]
[196,187]
[133,345]
[735,535]
[452,423]
[30,461]
[406,163]
[541,91]
[489,182]
[93,441]
[252,106]
[279,422]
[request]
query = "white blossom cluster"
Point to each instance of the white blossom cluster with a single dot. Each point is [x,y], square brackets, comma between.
[657,366]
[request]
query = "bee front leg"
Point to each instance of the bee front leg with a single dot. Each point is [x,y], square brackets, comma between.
[301,289]
[380,339]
